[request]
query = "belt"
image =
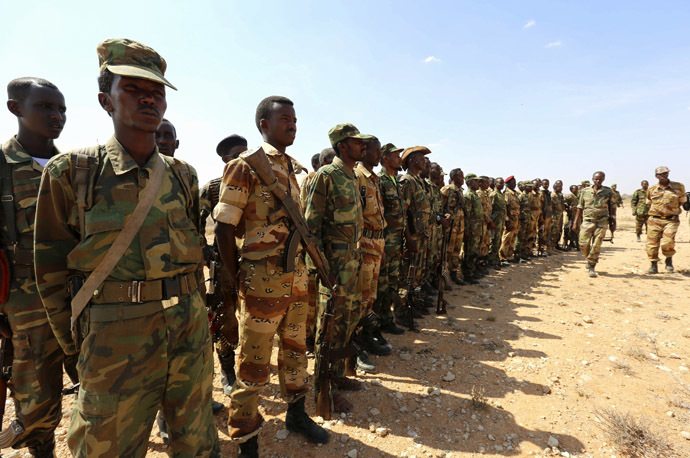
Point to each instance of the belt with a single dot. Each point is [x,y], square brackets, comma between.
[22,257]
[667,218]
[137,292]
[23,272]
[343,246]
[372,233]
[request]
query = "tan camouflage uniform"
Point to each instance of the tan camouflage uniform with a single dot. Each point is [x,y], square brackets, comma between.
[557,208]
[454,203]
[485,240]
[664,210]
[512,224]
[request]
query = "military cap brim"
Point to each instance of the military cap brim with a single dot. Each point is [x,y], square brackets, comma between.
[415,149]
[471,176]
[138,72]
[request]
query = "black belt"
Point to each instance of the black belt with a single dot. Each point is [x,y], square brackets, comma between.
[667,218]
[372,233]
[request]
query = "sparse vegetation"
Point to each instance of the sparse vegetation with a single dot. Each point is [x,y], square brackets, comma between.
[491,318]
[479,400]
[632,437]
[623,367]
[637,354]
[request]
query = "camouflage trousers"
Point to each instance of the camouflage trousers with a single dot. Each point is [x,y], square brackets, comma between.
[389,275]
[417,259]
[523,247]
[271,302]
[532,234]
[496,237]
[592,233]
[508,240]
[36,383]
[485,240]
[455,245]
[345,264]
[372,255]
[556,230]
[433,251]
[226,336]
[640,221]
[473,234]
[545,233]
[661,233]
[130,368]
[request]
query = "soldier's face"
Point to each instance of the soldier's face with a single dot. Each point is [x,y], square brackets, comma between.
[511,184]
[663,178]
[135,103]
[484,183]
[166,139]
[459,179]
[598,179]
[355,149]
[373,154]
[281,126]
[574,189]
[545,184]
[558,186]
[328,158]
[499,184]
[43,112]
[393,160]
[537,184]
[645,185]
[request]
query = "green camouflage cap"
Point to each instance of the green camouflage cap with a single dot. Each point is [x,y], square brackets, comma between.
[614,184]
[344,131]
[528,184]
[389,148]
[585,182]
[471,176]
[126,57]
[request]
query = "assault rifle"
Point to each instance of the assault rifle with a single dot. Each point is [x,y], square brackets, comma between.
[410,296]
[9,435]
[443,276]
[259,163]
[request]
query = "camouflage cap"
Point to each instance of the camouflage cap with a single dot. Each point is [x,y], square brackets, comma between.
[528,184]
[344,131]
[126,57]
[585,182]
[415,149]
[471,176]
[389,148]
[614,184]
[662,169]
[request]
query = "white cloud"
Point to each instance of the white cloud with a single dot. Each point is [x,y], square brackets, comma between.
[431,59]
[554,44]
[530,23]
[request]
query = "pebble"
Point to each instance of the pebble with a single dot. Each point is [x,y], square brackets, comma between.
[653,356]
[403,409]
[587,319]
[374,411]
[352,453]
[405,356]
[382,431]
[552,442]
[282,434]
[412,434]
[376,382]
[685,434]
[344,438]
[449,377]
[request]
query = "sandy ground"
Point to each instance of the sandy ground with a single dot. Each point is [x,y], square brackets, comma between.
[540,347]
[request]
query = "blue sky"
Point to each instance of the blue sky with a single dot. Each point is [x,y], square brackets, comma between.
[527,88]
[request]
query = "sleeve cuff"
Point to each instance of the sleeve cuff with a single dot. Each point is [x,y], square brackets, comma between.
[228,214]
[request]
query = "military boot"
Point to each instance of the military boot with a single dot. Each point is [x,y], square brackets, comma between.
[45,450]
[382,340]
[162,427]
[249,449]
[364,363]
[216,407]
[638,238]
[669,265]
[653,269]
[592,273]
[390,327]
[297,421]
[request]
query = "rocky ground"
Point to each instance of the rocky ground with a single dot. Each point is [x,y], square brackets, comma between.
[534,361]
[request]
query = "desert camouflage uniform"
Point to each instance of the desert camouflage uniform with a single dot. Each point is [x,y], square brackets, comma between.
[640,210]
[138,353]
[418,205]
[557,207]
[389,275]
[596,207]
[372,242]
[36,378]
[535,215]
[546,219]
[454,204]
[664,210]
[335,217]
[524,237]
[498,216]
[485,240]
[474,226]
[513,221]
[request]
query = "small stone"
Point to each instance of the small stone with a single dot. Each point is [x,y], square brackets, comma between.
[587,319]
[491,437]
[374,411]
[436,392]
[344,438]
[376,382]
[403,409]
[670,413]
[352,453]
[552,442]
[546,389]
[382,431]
[449,377]
[282,434]
[682,368]
[412,434]
[674,356]
[319,420]
[405,356]
[498,448]
[685,434]
[653,356]
[511,354]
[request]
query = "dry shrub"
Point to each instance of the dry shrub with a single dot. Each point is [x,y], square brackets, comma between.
[632,437]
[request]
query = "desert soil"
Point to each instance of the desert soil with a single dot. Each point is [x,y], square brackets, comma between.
[520,366]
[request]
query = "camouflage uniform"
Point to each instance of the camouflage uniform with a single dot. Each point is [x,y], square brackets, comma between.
[640,210]
[664,210]
[570,203]
[546,217]
[372,242]
[145,340]
[454,204]
[536,210]
[524,237]
[436,239]
[312,284]
[485,240]
[513,219]
[36,377]
[618,200]
[557,207]
[334,215]
[596,207]
[498,216]
[389,276]
[474,227]
[418,205]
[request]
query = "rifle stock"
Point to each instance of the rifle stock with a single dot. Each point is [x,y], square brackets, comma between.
[441,302]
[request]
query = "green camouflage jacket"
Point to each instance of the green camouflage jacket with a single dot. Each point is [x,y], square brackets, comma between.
[498,206]
[596,205]
[393,204]
[417,203]
[639,202]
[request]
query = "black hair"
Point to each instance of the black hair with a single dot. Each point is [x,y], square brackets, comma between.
[454,172]
[229,143]
[18,89]
[336,150]
[263,111]
[316,161]
[325,152]
[105,81]
[171,125]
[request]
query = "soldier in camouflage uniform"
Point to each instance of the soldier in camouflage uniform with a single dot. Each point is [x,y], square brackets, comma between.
[536,211]
[546,216]
[438,222]
[617,196]
[394,213]
[523,248]
[557,207]
[149,312]
[272,300]
[597,210]
[498,216]
[474,226]
[664,199]
[334,215]
[454,204]
[512,221]
[570,235]
[36,366]
[485,240]
[640,208]
[166,139]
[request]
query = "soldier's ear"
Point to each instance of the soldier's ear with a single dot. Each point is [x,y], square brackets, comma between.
[106,103]
[14,107]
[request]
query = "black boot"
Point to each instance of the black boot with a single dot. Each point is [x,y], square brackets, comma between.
[364,363]
[249,449]
[216,407]
[382,340]
[653,269]
[227,367]
[390,327]
[297,421]
[162,427]
[669,265]
[45,450]
[454,278]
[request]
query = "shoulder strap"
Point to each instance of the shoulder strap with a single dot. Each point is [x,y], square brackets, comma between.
[121,243]
[85,164]
[7,198]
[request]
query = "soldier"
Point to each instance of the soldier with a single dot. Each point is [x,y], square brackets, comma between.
[166,139]
[536,212]
[325,157]
[618,199]
[334,215]
[498,216]
[438,222]
[454,204]
[487,225]
[474,227]
[546,216]
[372,245]
[149,312]
[512,222]
[570,236]
[664,199]
[596,205]
[271,299]
[523,248]
[36,367]
[557,207]
[394,214]
[640,209]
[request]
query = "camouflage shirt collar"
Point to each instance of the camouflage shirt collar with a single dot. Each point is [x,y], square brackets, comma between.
[121,160]
[338,163]
[16,154]
[362,168]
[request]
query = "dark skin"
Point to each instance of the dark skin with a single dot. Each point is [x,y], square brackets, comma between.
[391,162]
[558,186]
[437,179]
[511,184]
[545,184]
[351,151]
[663,178]
[137,107]
[598,180]
[498,184]
[41,118]
[458,179]
[484,185]
[166,139]
[278,130]
[328,159]
[645,186]
[372,155]
[426,169]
